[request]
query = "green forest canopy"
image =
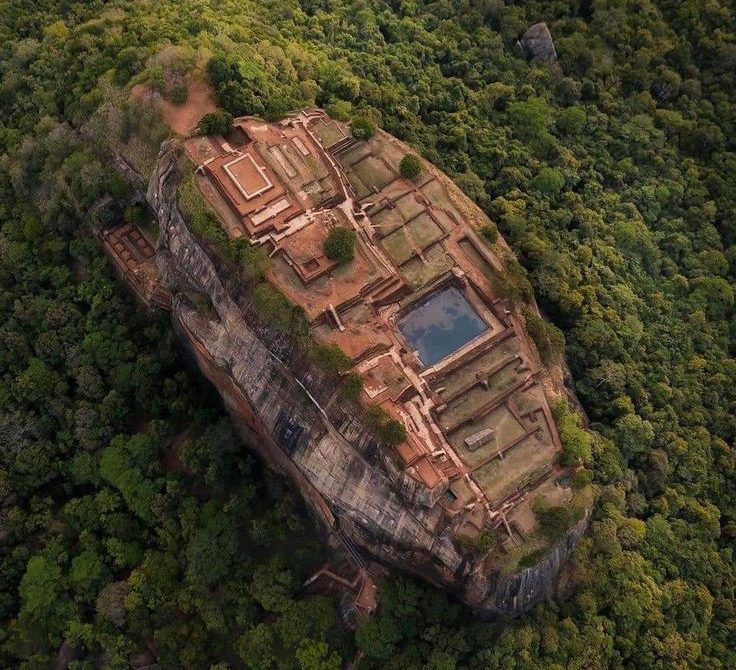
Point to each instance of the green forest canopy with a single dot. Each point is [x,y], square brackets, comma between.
[613,177]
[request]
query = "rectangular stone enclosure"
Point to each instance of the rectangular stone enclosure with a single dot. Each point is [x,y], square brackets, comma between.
[440,325]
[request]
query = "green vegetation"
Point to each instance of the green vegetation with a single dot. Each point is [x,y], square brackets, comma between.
[576,441]
[352,385]
[611,175]
[410,167]
[532,558]
[489,232]
[340,245]
[392,432]
[216,123]
[179,94]
[555,520]
[477,543]
[389,431]
[362,128]
[487,540]
[166,70]
[376,416]
[275,309]
[331,357]
[251,261]
[549,340]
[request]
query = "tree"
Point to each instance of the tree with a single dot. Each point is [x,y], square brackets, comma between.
[634,434]
[377,637]
[331,357]
[555,520]
[273,586]
[87,573]
[256,647]
[489,232]
[216,123]
[352,385]
[410,166]
[392,432]
[362,128]
[548,182]
[316,655]
[571,120]
[221,69]
[339,245]
[576,441]
[40,590]
[549,340]
[110,602]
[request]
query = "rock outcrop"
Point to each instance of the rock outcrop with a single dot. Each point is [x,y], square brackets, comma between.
[328,457]
[536,43]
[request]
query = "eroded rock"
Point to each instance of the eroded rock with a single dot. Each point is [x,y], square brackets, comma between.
[536,43]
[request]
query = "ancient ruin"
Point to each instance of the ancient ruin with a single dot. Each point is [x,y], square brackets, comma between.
[416,312]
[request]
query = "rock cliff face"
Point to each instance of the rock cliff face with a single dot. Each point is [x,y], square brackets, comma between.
[300,436]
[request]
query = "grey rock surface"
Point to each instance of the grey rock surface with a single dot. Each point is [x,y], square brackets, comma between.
[537,44]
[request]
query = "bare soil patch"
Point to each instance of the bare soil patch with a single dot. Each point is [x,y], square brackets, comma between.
[182,119]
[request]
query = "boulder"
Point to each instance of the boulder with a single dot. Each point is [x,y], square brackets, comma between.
[536,43]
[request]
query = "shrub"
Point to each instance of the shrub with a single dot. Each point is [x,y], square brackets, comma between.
[331,358]
[339,245]
[178,94]
[352,385]
[362,128]
[489,232]
[388,431]
[252,260]
[532,558]
[549,339]
[410,166]
[554,521]
[133,215]
[392,432]
[582,478]
[486,541]
[216,123]
[375,416]
[576,444]
[272,307]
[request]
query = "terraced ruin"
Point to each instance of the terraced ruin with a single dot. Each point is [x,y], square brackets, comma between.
[416,313]
[481,439]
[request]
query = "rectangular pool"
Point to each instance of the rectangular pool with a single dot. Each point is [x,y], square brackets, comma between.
[441,324]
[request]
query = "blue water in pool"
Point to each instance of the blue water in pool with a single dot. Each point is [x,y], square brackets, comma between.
[441,325]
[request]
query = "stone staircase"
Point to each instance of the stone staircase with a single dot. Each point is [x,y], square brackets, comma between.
[343,146]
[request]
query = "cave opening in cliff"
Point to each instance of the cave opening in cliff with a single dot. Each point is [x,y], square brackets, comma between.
[441,324]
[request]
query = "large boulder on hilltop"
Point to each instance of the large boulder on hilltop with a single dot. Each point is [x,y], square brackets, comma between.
[536,43]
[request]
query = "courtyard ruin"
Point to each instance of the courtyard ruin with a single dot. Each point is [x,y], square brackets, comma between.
[415,310]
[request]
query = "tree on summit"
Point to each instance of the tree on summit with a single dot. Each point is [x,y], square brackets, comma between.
[339,245]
